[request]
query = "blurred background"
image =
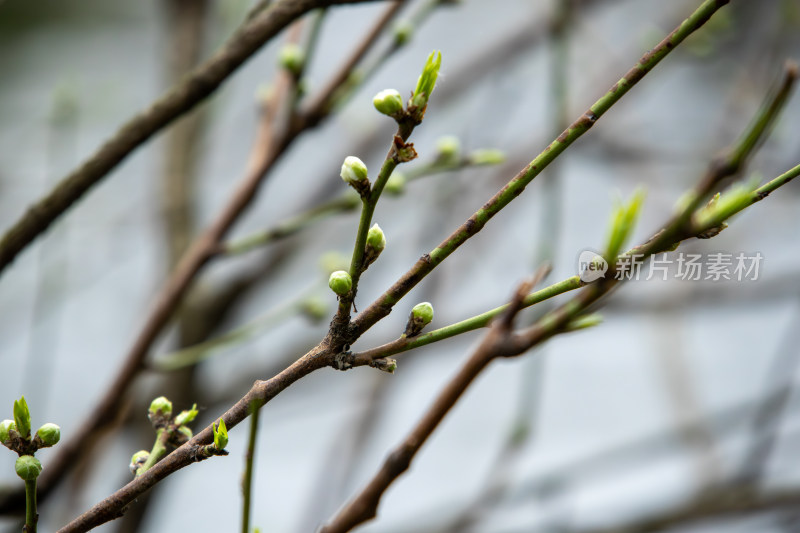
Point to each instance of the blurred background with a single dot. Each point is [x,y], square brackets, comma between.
[678,413]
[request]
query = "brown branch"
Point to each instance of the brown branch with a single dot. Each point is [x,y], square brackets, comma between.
[265,151]
[718,503]
[502,341]
[320,105]
[195,88]
[262,391]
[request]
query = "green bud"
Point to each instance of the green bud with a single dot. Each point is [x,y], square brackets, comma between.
[138,459]
[721,207]
[315,308]
[403,31]
[6,427]
[421,315]
[22,417]
[187,417]
[426,83]
[332,261]
[623,218]
[584,322]
[487,156]
[49,435]
[340,282]
[376,242]
[389,102]
[396,184]
[292,57]
[220,435]
[161,406]
[448,147]
[28,467]
[354,173]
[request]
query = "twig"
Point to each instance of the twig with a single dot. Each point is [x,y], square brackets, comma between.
[247,479]
[502,341]
[196,87]
[320,105]
[383,305]
[264,152]
[482,320]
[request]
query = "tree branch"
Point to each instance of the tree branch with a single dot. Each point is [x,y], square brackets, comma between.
[201,83]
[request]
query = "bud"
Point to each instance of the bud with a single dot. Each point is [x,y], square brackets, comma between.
[220,435]
[354,173]
[6,427]
[315,308]
[389,102]
[396,184]
[22,417]
[138,459]
[426,83]
[160,411]
[622,221]
[584,322]
[448,148]
[161,405]
[403,31]
[421,315]
[376,242]
[292,58]
[28,467]
[49,435]
[187,417]
[487,156]
[340,282]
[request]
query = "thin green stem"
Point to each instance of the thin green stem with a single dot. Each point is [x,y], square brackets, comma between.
[482,320]
[383,305]
[157,453]
[342,204]
[205,350]
[249,458]
[31,515]
[291,226]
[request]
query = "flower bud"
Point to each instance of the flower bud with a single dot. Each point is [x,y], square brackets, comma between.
[340,282]
[160,405]
[49,435]
[186,417]
[376,242]
[403,31]
[389,102]
[6,427]
[331,261]
[487,156]
[448,147]
[138,459]
[354,173]
[22,417]
[426,83]
[220,435]
[396,184]
[292,58]
[315,308]
[28,467]
[421,315]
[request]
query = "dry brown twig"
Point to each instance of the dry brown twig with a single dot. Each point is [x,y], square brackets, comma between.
[201,83]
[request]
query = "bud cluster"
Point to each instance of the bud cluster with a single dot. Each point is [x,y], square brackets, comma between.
[16,436]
